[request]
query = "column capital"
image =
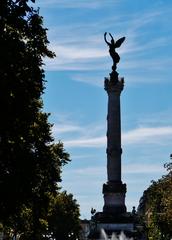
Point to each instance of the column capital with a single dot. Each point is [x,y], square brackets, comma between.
[114,86]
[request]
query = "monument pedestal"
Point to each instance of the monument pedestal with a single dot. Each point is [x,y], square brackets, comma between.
[111,223]
[114,197]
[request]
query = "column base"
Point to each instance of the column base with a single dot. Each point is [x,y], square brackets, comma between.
[114,197]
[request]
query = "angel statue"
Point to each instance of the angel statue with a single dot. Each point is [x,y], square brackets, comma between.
[112,46]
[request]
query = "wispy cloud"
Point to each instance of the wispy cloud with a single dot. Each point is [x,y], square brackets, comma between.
[76,4]
[74,52]
[90,142]
[142,168]
[127,169]
[151,131]
[95,79]
[148,135]
[61,128]
[74,57]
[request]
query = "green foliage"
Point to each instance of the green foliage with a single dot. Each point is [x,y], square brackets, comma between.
[63,217]
[156,207]
[30,162]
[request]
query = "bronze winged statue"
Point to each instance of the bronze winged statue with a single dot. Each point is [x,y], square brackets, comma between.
[112,46]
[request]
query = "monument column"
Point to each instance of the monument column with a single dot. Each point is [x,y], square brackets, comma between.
[114,131]
[114,218]
[114,190]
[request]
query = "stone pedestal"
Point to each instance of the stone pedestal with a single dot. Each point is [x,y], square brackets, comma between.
[111,223]
[114,197]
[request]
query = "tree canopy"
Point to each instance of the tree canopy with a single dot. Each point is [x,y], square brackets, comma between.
[156,207]
[30,161]
[63,217]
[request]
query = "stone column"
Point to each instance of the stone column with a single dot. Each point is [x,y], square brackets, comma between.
[114,190]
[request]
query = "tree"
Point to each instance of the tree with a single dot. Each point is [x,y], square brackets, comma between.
[30,162]
[156,207]
[63,218]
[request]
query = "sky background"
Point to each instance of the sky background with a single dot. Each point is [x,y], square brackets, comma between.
[76,99]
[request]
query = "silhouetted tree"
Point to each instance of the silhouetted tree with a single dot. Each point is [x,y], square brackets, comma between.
[156,207]
[30,163]
[63,219]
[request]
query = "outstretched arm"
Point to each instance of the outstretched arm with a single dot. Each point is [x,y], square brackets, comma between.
[112,41]
[111,35]
[106,39]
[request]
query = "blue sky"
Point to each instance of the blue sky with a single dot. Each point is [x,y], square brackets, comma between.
[76,99]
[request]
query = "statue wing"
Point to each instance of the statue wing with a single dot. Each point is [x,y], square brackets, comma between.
[119,42]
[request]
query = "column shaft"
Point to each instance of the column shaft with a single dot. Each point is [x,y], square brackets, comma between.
[114,190]
[114,137]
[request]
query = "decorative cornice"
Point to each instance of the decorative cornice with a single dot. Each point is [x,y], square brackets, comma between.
[114,86]
[114,187]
